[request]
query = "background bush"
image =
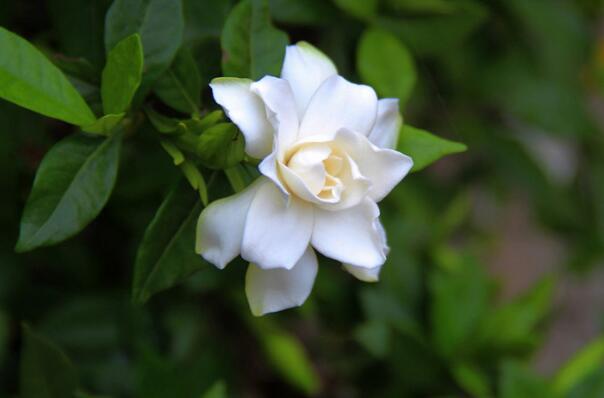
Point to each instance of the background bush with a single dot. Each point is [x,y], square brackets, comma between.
[519,82]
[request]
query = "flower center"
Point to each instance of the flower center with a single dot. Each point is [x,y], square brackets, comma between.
[320,167]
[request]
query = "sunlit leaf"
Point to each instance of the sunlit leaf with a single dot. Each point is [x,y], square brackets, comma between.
[30,80]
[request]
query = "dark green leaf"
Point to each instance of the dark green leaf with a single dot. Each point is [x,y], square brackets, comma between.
[287,355]
[122,74]
[218,390]
[45,371]
[438,34]
[180,86]
[385,64]
[252,46]
[472,380]
[160,24]
[161,123]
[425,148]
[362,9]
[71,187]
[512,326]
[221,146]
[105,125]
[30,80]
[459,301]
[303,12]
[204,19]
[167,255]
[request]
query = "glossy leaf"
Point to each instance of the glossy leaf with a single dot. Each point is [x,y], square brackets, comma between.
[30,80]
[72,185]
[45,371]
[105,125]
[385,64]
[159,23]
[425,148]
[122,74]
[167,255]
[252,46]
[180,86]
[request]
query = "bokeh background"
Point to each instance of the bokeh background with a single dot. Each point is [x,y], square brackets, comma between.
[494,286]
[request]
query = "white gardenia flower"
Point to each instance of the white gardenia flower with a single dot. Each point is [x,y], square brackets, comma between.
[328,158]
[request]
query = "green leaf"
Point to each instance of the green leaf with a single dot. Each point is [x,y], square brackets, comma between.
[362,9]
[385,64]
[425,148]
[252,46]
[512,326]
[375,337]
[585,362]
[160,24]
[30,80]
[122,74]
[516,381]
[180,86]
[287,355]
[472,380]
[195,178]
[45,371]
[422,6]
[176,154]
[167,255]
[72,185]
[459,301]
[218,390]
[221,146]
[161,123]
[105,125]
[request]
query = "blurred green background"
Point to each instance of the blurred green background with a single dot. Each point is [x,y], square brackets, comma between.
[494,286]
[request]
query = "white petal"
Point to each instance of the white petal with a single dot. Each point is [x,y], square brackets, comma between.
[281,107]
[269,168]
[247,111]
[339,104]
[370,274]
[221,224]
[385,168]
[305,68]
[350,235]
[364,274]
[277,230]
[271,290]
[387,125]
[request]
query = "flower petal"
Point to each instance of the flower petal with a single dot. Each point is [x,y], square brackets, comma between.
[383,167]
[277,230]
[370,274]
[339,104]
[271,290]
[221,224]
[281,107]
[350,235]
[387,125]
[247,111]
[305,68]
[364,274]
